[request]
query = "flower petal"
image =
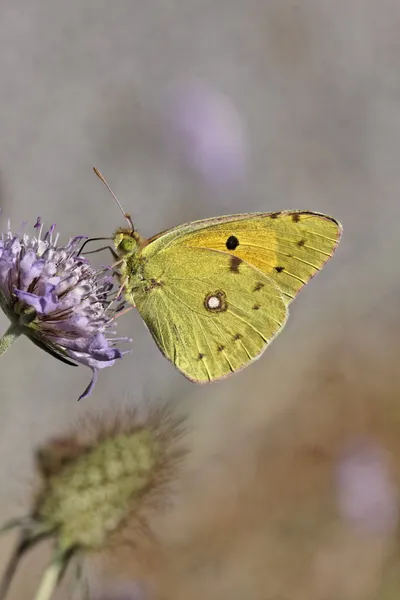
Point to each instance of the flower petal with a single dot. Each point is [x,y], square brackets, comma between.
[42,304]
[30,269]
[90,387]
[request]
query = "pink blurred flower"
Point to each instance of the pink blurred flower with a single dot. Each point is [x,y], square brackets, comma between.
[366,495]
[209,134]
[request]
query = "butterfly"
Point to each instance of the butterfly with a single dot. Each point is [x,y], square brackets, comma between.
[214,293]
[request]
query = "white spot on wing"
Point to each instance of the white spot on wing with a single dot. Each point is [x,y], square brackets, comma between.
[214,302]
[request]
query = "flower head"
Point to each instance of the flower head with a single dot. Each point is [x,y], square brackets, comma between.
[97,487]
[57,299]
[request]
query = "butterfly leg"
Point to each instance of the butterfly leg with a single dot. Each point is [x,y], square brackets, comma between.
[118,295]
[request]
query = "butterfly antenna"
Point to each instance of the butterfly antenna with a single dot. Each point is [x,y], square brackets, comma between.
[126,215]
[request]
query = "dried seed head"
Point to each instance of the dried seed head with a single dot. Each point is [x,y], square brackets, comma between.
[97,482]
[90,487]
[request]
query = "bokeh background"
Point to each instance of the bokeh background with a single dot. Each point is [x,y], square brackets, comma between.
[194,109]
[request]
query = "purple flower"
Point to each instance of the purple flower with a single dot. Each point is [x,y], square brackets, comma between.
[209,133]
[53,295]
[366,495]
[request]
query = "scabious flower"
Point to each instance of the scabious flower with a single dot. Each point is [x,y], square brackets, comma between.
[58,300]
[97,487]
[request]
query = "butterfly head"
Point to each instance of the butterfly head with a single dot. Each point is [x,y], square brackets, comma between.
[128,242]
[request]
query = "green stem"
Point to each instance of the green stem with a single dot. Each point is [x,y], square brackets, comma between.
[23,545]
[12,333]
[51,577]
[10,570]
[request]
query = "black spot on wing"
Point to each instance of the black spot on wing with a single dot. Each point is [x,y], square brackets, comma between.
[295,218]
[235,263]
[279,269]
[259,286]
[301,243]
[232,242]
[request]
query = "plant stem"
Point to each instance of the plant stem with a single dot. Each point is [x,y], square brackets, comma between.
[12,333]
[25,542]
[10,570]
[51,578]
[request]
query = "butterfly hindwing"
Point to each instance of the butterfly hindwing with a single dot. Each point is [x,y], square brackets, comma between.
[210,313]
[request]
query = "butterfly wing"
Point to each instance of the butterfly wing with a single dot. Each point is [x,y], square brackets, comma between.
[207,319]
[290,246]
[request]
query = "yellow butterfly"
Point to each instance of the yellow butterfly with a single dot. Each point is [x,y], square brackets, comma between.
[214,293]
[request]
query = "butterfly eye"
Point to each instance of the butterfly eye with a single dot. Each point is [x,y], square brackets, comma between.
[127,245]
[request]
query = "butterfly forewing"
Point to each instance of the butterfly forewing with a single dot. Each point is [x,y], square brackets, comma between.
[290,247]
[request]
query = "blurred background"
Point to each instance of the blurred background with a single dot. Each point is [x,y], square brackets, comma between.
[193,109]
